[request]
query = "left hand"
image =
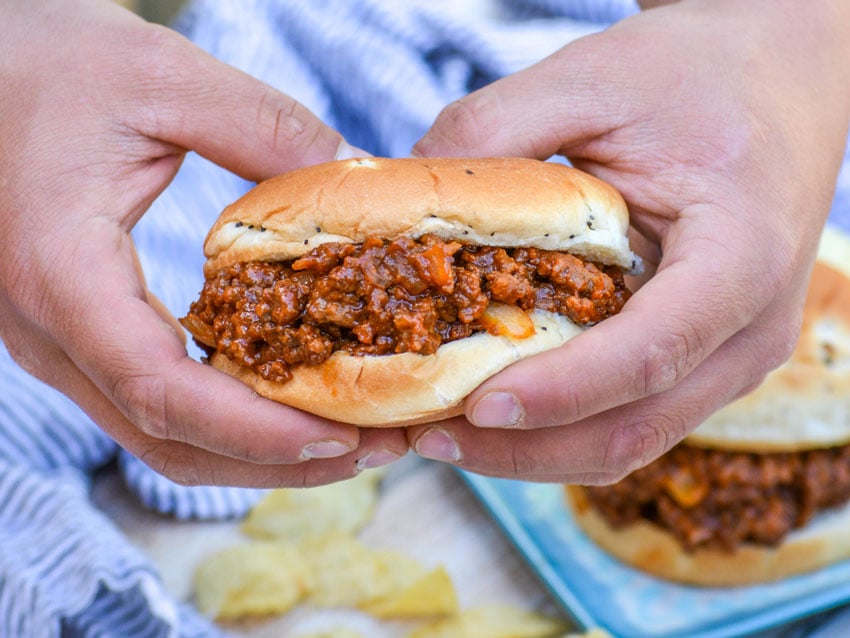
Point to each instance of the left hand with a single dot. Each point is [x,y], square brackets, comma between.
[97,110]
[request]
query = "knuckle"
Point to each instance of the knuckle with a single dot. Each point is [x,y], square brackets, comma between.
[289,127]
[782,347]
[142,398]
[469,120]
[773,346]
[635,445]
[566,406]
[24,355]
[281,115]
[183,475]
[160,48]
[179,468]
[523,463]
[35,356]
[669,358]
[157,59]
[572,407]
[290,130]
[755,382]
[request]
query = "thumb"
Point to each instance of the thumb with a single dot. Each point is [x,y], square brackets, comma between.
[551,107]
[233,119]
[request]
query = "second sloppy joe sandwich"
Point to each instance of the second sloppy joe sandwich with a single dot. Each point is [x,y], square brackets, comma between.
[383,291]
[761,490]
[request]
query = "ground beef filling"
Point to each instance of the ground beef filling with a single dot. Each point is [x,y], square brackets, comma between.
[716,499]
[385,297]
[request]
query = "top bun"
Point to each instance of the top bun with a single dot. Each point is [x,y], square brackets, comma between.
[805,403]
[495,202]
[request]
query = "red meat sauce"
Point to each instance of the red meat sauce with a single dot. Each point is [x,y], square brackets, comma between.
[384,297]
[721,499]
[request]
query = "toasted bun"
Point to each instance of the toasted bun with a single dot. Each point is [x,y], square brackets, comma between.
[496,202]
[805,403]
[403,389]
[492,202]
[823,541]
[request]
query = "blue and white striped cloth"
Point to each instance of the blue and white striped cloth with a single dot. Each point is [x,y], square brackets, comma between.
[65,569]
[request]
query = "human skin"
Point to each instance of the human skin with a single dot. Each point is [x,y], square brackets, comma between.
[723,123]
[97,110]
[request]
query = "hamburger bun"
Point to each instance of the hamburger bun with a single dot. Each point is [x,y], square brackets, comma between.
[802,405]
[488,202]
[505,202]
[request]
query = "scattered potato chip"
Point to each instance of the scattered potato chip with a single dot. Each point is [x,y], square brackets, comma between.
[311,555]
[432,595]
[254,579]
[493,621]
[293,514]
[269,577]
[346,573]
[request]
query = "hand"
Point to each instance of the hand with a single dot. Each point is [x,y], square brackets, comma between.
[723,124]
[97,110]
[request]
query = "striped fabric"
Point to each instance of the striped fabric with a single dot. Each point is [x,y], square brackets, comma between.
[65,570]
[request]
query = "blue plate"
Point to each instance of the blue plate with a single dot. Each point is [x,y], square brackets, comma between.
[598,591]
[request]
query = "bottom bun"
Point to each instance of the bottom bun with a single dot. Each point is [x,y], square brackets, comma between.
[407,388]
[823,541]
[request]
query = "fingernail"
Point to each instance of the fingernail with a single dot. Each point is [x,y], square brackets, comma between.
[439,445]
[324,450]
[347,151]
[497,410]
[376,458]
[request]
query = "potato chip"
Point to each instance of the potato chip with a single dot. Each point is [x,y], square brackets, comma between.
[254,579]
[493,621]
[432,595]
[292,514]
[593,633]
[345,573]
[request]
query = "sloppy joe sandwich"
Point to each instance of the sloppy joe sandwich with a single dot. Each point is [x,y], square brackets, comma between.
[383,291]
[761,490]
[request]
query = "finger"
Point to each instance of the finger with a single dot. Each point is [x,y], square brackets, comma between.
[571,107]
[190,465]
[226,115]
[246,437]
[668,328]
[607,446]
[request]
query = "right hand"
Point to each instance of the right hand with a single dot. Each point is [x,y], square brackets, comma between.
[723,123]
[97,111]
